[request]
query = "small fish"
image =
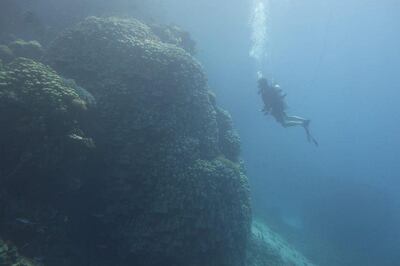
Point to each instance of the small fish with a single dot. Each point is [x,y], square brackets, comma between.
[24,221]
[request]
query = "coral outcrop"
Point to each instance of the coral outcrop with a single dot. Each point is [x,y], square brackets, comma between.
[176,36]
[267,248]
[43,151]
[162,186]
[130,71]
[39,115]
[27,49]
[20,48]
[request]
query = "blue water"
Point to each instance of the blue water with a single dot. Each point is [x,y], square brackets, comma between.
[338,61]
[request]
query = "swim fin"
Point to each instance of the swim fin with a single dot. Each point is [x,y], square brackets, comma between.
[310,138]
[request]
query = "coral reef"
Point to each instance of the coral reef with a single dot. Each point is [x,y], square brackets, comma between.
[9,256]
[121,157]
[20,48]
[267,248]
[27,49]
[130,71]
[229,141]
[261,254]
[6,54]
[171,194]
[176,36]
[44,151]
[39,115]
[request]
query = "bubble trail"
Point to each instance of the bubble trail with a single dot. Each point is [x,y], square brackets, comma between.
[259,36]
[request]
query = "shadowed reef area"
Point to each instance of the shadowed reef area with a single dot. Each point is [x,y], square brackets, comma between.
[114,152]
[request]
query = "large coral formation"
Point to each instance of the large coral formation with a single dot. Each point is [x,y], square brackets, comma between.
[43,151]
[170,190]
[129,70]
[176,36]
[39,116]
[164,187]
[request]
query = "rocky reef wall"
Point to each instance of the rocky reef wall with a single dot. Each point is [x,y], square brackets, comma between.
[117,154]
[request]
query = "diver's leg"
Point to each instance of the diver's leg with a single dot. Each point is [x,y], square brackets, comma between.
[289,123]
[303,122]
[295,118]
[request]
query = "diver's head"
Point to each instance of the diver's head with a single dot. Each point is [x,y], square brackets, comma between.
[263,83]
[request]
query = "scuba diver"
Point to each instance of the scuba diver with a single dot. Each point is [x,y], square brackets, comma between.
[274,104]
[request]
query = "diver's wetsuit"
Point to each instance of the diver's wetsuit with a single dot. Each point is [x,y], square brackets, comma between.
[274,104]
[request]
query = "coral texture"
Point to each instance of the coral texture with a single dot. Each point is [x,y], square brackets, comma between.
[9,256]
[176,36]
[31,49]
[43,151]
[173,192]
[6,54]
[39,115]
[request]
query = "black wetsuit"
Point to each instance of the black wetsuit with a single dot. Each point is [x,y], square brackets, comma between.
[273,99]
[274,104]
